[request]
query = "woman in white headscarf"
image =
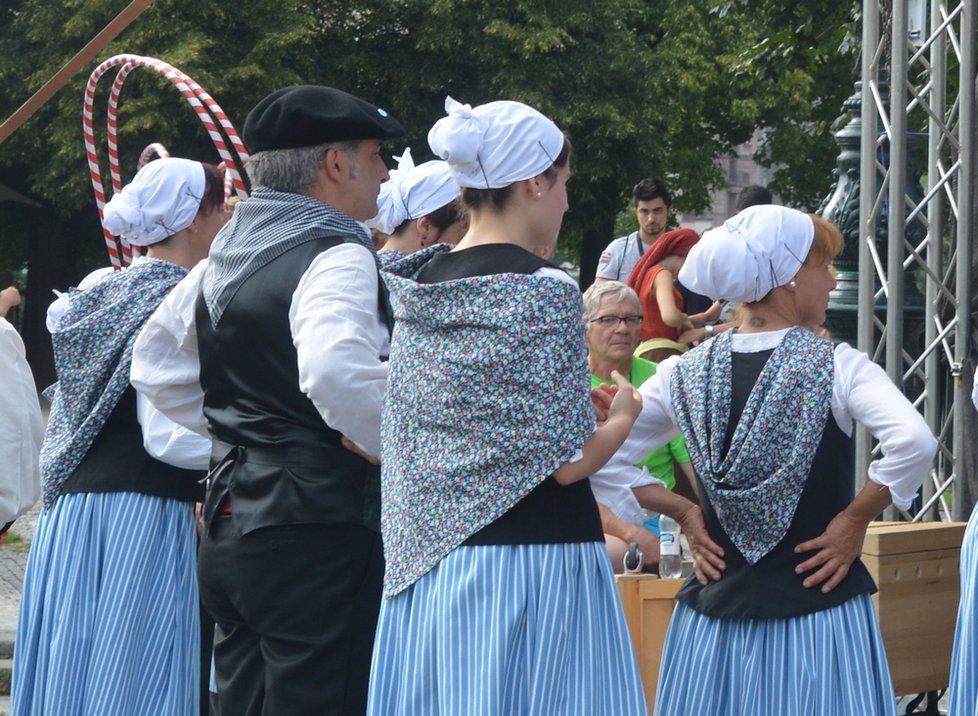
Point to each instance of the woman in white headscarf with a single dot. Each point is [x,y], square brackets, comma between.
[109,611]
[417,207]
[500,598]
[767,412]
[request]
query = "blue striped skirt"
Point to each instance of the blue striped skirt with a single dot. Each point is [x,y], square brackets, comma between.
[963,689]
[108,616]
[828,663]
[508,629]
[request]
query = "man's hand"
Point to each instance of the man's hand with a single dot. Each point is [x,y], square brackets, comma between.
[354,448]
[602,397]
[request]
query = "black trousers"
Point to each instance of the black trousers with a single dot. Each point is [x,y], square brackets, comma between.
[296,608]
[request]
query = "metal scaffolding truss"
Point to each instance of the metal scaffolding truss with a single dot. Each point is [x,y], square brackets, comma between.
[918,75]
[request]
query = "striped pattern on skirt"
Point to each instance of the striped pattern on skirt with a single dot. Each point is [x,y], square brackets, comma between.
[508,629]
[963,689]
[109,619]
[830,663]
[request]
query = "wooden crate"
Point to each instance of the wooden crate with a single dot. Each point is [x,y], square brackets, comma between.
[648,603]
[915,566]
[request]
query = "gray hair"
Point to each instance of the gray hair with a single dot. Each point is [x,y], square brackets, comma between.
[597,291]
[291,170]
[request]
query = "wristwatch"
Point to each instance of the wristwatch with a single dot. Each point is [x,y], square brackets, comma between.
[709,330]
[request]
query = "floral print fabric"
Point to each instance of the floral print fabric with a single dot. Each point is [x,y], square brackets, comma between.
[93,353]
[756,485]
[489,392]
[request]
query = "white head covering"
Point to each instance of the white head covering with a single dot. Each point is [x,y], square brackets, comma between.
[495,144]
[755,251]
[413,192]
[162,199]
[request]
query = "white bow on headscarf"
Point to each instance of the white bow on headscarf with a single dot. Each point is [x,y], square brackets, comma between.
[161,200]
[412,192]
[757,250]
[495,144]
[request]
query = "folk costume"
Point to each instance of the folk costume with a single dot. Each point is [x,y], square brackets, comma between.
[767,418]
[499,594]
[109,611]
[286,328]
[962,690]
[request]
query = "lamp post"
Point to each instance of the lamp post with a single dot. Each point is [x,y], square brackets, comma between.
[841,207]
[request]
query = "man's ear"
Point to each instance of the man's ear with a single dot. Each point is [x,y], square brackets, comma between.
[335,164]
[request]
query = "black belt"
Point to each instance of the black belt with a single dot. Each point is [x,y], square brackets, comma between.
[286,456]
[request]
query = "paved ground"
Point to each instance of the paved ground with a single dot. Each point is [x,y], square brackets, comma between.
[13,560]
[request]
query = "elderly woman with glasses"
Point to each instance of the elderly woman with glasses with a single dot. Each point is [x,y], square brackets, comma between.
[613,319]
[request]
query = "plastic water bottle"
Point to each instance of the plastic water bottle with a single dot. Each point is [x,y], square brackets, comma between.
[670,557]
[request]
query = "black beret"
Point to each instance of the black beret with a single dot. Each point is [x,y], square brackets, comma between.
[307,115]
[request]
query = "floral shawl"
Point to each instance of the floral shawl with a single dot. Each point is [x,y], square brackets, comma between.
[756,485]
[93,353]
[489,392]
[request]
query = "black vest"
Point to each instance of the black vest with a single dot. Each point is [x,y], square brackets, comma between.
[550,513]
[117,462]
[770,589]
[275,459]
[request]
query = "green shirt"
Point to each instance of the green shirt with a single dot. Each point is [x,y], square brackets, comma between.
[660,462]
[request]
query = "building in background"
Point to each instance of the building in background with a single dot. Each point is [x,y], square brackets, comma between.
[741,170]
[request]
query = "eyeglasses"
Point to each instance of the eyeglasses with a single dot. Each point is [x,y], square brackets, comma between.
[613,321]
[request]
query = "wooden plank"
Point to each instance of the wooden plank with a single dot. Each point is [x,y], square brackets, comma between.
[917,603]
[648,603]
[73,67]
[909,537]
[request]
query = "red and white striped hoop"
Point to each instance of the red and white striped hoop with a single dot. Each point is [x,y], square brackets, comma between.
[208,111]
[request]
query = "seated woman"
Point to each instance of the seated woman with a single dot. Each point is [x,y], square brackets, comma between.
[417,207]
[654,280]
[612,315]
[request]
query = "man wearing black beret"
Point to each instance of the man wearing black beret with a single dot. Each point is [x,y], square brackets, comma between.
[292,336]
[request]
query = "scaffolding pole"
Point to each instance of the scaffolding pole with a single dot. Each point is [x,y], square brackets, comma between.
[924,98]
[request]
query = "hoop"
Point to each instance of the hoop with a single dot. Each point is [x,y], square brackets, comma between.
[202,103]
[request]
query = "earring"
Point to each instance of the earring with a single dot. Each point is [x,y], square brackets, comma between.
[792,283]
[539,193]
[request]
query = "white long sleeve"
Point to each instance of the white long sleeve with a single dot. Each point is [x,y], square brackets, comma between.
[865,394]
[340,342]
[165,363]
[21,428]
[170,442]
[861,391]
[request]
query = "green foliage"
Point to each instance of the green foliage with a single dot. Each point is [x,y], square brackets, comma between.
[642,88]
[797,72]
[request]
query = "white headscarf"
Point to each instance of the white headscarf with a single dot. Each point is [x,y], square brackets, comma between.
[161,200]
[495,144]
[757,250]
[412,192]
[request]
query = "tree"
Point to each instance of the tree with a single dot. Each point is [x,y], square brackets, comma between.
[795,75]
[642,88]
[45,159]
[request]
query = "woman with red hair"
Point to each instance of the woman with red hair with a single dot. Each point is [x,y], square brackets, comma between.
[654,280]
